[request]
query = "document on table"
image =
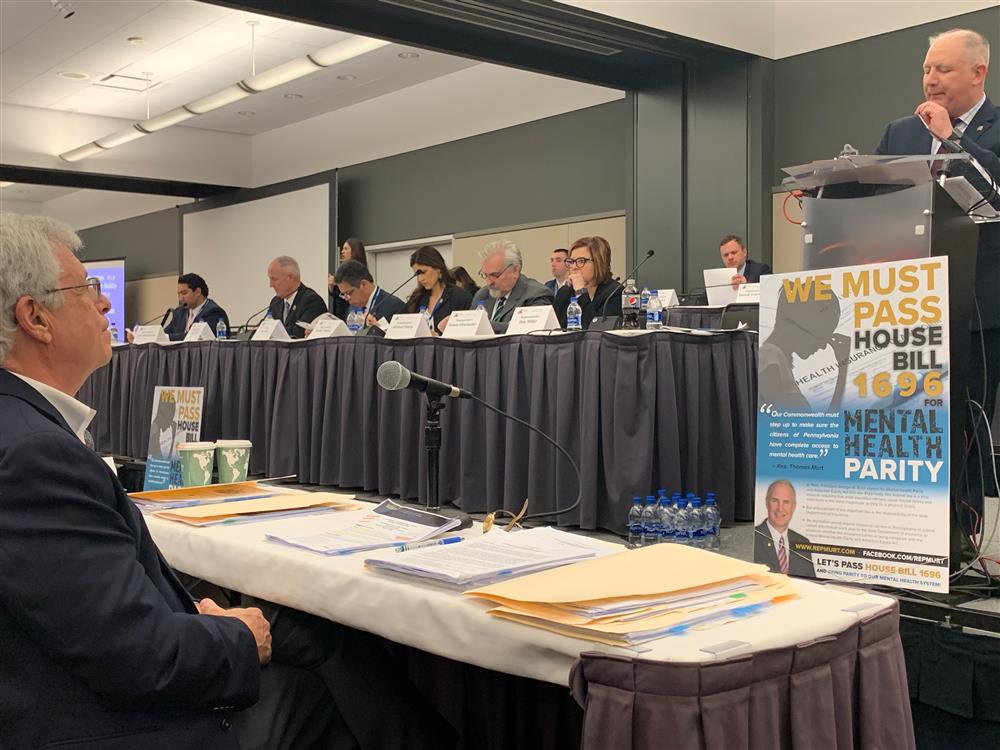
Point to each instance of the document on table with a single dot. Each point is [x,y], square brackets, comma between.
[495,556]
[183,497]
[387,525]
[261,508]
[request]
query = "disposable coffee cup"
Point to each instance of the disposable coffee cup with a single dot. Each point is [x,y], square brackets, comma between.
[197,460]
[232,457]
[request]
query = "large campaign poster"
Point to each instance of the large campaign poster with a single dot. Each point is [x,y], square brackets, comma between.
[852,429]
[176,419]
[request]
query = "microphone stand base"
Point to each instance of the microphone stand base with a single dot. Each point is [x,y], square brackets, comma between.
[450,511]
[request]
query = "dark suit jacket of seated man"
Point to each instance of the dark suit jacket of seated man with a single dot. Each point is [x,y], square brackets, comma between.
[526,292]
[305,307]
[210,313]
[753,270]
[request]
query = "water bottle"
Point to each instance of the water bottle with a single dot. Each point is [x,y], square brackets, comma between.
[682,527]
[654,313]
[481,305]
[634,525]
[427,317]
[650,522]
[697,524]
[113,330]
[220,329]
[269,316]
[630,305]
[574,315]
[667,519]
[644,299]
[354,316]
[713,523]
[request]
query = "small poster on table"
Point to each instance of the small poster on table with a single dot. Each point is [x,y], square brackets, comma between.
[176,419]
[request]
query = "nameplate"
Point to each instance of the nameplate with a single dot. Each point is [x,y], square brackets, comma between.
[464,323]
[199,332]
[668,298]
[271,330]
[328,328]
[408,326]
[149,335]
[749,293]
[531,319]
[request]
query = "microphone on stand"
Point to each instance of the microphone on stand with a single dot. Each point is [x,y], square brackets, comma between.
[254,315]
[600,323]
[166,316]
[393,376]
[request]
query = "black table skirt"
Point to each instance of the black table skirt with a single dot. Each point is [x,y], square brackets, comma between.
[667,410]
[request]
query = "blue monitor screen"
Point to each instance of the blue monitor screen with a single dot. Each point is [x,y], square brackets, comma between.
[112,275]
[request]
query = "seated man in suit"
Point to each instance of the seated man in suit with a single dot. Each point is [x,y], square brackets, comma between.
[560,271]
[734,255]
[358,289]
[293,301]
[774,543]
[195,307]
[102,647]
[506,287]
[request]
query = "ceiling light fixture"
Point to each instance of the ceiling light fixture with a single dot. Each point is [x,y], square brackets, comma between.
[293,96]
[135,41]
[347,77]
[73,75]
[5,185]
[408,55]
[284,73]
[246,113]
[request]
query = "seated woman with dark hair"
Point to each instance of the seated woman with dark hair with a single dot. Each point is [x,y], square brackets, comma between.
[436,288]
[464,280]
[590,281]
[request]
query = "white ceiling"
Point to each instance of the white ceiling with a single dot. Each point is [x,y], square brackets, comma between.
[33,193]
[780,28]
[190,50]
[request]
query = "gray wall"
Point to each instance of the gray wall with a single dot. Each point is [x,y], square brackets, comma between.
[847,93]
[573,164]
[150,244]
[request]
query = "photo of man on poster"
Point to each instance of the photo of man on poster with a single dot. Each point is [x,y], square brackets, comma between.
[774,542]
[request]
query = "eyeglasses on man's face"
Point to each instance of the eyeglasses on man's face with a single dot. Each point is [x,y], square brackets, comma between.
[94,285]
[578,262]
[494,275]
[346,295]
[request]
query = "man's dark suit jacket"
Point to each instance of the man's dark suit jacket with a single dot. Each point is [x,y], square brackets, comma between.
[211,313]
[97,650]
[306,307]
[386,305]
[525,293]
[907,136]
[765,552]
[754,270]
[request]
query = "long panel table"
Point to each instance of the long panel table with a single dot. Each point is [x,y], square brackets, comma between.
[822,671]
[637,412]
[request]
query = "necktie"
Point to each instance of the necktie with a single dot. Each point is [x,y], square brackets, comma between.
[286,313]
[936,165]
[782,556]
[190,321]
[498,309]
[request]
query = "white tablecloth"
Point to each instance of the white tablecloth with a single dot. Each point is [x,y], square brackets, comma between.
[449,624]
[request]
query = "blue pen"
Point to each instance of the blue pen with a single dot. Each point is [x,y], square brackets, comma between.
[430,543]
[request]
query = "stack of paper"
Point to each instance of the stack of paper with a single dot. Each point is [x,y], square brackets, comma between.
[258,509]
[183,497]
[388,525]
[639,595]
[495,556]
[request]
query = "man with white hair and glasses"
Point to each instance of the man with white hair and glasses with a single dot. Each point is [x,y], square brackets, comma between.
[506,288]
[101,645]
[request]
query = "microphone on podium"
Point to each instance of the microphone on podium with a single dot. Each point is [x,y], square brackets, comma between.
[393,376]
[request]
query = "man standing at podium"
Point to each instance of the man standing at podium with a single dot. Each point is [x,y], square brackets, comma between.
[957,109]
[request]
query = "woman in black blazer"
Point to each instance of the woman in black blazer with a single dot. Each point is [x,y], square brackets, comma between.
[352,249]
[597,293]
[436,289]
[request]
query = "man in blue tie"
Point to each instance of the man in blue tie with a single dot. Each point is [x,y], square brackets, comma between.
[956,108]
